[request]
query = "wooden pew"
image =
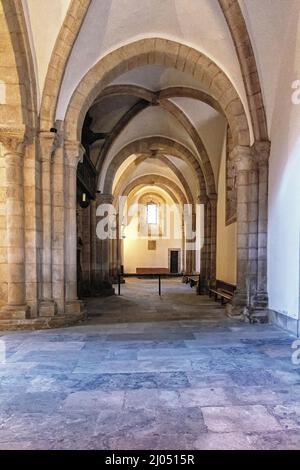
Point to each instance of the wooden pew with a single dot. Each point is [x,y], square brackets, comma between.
[193,280]
[223,292]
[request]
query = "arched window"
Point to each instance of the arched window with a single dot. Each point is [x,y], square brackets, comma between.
[152,213]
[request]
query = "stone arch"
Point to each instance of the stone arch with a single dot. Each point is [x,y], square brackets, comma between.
[162,52]
[162,182]
[242,42]
[19,79]
[166,162]
[117,129]
[145,146]
[154,99]
[157,180]
[59,58]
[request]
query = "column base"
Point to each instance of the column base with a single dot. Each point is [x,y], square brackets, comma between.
[103,288]
[256,313]
[74,307]
[204,286]
[260,300]
[259,312]
[15,312]
[47,308]
[237,307]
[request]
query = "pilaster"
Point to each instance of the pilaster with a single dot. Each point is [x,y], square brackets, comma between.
[14,142]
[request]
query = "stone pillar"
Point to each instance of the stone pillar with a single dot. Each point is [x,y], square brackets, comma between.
[203,247]
[190,222]
[261,151]
[247,218]
[73,153]
[86,250]
[58,229]
[47,142]
[95,247]
[208,242]
[106,243]
[213,238]
[193,252]
[13,144]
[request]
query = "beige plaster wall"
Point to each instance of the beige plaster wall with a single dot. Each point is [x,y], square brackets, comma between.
[284,186]
[226,236]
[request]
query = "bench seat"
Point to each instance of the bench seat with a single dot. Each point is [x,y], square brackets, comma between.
[222,294]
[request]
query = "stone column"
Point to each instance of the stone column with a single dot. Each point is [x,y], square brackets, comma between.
[208,242]
[246,185]
[193,252]
[73,153]
[106,243]
[86,250]
[203,246]
[96,250]
[47,142]
[14,146]
[213,238]
[189,218]
[58,228]
[94,247]
[261,152]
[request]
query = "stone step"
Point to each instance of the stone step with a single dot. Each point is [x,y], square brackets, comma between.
[259,315]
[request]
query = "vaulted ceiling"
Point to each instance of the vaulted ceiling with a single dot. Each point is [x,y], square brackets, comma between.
[153,101]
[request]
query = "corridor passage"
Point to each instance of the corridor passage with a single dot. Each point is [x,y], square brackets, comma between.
[147,372]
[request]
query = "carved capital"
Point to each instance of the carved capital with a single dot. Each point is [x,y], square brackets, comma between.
[48,143]
[202,198]
[104,198]
[13,139]
[242,158]
[213,200]
[261,152]
[74,152]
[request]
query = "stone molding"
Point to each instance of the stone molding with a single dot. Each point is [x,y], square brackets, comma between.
[104,198]
[243,46]
[13,139]
[59,58]
[74,153]
[261,152]
[48,143]
[242,158]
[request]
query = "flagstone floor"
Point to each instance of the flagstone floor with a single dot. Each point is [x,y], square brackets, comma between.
[145,372]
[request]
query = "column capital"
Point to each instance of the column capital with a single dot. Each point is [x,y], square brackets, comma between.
[202,197]
[13,139]
[213,199]
[261,151]
[48,143]
[104,198]
[74,152]
[242,158]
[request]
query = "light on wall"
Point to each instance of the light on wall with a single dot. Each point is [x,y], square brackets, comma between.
[84,201]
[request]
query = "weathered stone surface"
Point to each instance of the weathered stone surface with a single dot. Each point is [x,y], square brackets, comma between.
[59,389]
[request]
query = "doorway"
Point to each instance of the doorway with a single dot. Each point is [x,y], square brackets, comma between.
[174,261]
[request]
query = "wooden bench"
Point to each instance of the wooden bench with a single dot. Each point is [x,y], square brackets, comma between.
[192,280]
[223,292]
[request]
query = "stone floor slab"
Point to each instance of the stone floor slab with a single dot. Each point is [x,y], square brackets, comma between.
[150,372]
